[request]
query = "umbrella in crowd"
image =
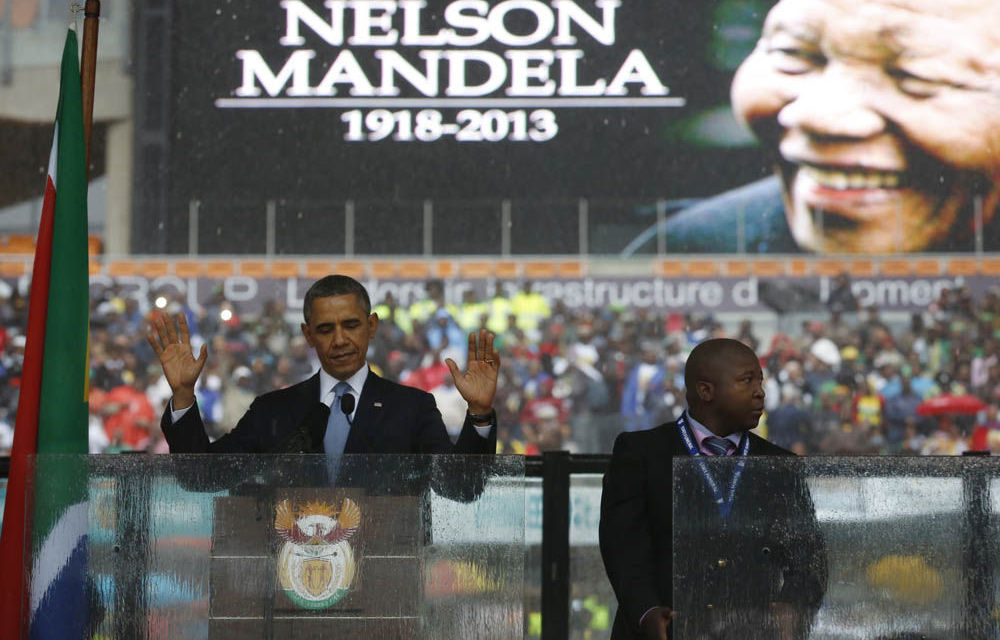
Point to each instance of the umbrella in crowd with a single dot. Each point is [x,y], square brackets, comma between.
[945,403]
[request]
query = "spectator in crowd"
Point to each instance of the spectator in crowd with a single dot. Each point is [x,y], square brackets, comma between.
[922,383]
[885,377]
[237,396]
[546,430]
[900,410]
[498,309]
[451,405]
[430,374]
[946,440]
[913,438]
[984,363]
[444,336]
[530,308]
[867,405]
[423,310]
[6,436]
[986,433]
[472,314]
[394,322]
[537,381]
[129,417]
[842,299]
[642,398]
[789,426]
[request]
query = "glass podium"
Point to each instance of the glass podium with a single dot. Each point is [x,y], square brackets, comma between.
[879,548]
[289,546]
[133,546]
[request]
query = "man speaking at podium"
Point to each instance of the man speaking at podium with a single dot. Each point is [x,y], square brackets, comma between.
[343,408]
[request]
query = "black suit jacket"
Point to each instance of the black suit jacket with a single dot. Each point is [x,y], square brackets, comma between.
[390,418]
[636,532]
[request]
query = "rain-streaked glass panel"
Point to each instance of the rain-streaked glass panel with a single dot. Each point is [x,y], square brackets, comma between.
[592,603]
[201,546]
[533,553]
[835,548]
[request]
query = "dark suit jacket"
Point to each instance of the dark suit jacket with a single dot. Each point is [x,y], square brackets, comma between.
[390,418]
[784,561]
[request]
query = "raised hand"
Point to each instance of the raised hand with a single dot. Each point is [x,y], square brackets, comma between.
[172,344]
[478,383]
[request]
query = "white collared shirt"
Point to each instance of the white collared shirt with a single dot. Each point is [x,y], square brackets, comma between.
[701,432]
[328,382]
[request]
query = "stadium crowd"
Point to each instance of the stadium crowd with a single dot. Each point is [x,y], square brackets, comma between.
[844,382]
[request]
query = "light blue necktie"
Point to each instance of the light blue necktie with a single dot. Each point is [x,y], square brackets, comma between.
[337,427]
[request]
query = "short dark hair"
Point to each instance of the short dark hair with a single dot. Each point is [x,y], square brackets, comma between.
[434,284]
[335,285]
[704,360]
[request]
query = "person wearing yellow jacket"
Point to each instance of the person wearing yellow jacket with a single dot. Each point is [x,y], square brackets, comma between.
[499,310]
[530,307]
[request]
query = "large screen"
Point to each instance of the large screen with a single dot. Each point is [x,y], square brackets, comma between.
[711,126]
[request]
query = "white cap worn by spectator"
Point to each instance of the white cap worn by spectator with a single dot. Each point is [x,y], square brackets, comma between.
[826,352]
[241,372]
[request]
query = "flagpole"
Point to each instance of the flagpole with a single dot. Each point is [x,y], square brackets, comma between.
[88,69]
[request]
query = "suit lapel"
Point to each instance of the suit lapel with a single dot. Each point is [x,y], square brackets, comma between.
[309,389]
[367,417]
[677,447]
[306,396]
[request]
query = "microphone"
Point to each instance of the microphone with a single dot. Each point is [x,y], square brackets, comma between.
[307,437]
[347,406]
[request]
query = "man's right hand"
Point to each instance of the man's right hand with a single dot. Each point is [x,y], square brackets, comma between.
[654,624]
[172,345]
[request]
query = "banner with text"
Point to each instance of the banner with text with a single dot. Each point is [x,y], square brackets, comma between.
[714,295]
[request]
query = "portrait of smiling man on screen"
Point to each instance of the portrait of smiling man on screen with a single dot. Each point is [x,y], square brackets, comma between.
[882,118]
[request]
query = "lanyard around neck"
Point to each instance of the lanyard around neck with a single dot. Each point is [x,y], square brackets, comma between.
[723,501]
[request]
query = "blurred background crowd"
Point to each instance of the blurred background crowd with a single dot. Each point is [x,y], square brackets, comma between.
[844,381]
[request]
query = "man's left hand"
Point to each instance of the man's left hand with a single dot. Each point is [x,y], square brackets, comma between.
[478,383]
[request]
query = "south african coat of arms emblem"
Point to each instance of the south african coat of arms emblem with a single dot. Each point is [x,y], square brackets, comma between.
[316,564]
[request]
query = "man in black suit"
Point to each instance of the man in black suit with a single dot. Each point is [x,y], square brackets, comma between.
[385,417]
[771,560]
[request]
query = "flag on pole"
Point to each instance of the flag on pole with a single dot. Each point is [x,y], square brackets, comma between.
[52,406]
